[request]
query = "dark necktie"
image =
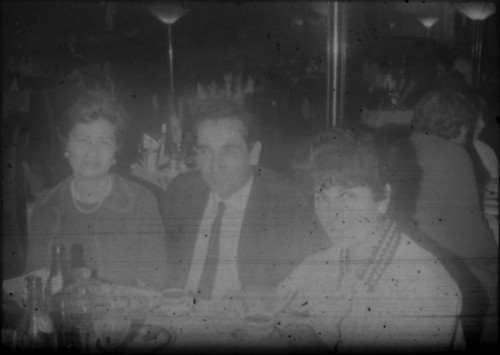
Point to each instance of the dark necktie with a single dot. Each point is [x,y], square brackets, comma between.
[207,279]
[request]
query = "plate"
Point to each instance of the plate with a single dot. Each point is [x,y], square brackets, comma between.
[148,339]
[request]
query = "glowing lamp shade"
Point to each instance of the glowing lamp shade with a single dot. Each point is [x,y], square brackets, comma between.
[428,22]
[476,11]
[168,13]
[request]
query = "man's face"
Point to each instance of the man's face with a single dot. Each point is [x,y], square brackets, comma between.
[223,157]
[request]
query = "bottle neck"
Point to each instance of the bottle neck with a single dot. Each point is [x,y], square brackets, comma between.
[38,299]
[57,277]
[77,257]
[56,268]
[34,296]
[30,295]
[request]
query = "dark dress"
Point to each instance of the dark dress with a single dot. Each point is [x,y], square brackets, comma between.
[123,240]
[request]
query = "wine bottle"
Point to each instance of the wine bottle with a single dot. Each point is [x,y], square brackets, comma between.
[57,277]
[79,271]
[36,331]
[55,299]
[79,311]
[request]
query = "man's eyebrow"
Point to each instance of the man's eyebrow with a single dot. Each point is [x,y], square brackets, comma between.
[78,134]
[230,145]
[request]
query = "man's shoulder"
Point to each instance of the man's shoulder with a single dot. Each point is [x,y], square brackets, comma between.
[432,146]
[190,179]
[188,190]
[276,184]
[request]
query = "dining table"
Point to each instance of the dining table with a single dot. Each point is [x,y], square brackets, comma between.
[137,319]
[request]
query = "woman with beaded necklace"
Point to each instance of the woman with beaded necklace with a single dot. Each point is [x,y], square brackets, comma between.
[115,220]
[375,289]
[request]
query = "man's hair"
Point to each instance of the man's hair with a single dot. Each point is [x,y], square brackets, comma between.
[443,113]
[216,110]
[341,157]
[90,108]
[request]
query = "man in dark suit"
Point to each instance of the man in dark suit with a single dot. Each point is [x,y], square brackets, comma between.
[266,228]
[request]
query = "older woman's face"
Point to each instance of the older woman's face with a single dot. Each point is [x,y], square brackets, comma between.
[91,148]
[349,213]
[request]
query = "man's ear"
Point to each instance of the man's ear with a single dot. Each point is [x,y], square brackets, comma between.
[383,204]
[255,153]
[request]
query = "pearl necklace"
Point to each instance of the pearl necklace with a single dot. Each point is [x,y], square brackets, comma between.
[99,203]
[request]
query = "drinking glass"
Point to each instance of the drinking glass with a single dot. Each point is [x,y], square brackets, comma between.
[80,314]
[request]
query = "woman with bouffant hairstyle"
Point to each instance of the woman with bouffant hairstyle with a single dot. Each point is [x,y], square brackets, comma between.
[115,221]
[375,289]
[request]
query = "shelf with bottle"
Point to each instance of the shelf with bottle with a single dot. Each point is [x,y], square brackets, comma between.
[164,155]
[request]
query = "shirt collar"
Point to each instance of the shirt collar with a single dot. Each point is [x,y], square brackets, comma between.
[237,201]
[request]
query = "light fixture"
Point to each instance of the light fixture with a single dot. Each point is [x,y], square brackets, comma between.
[477,12]
[168,14]
[428,22]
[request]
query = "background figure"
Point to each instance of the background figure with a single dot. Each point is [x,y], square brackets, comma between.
[115,220]
[485,164]
[448,208]
[375,289]
[267,227]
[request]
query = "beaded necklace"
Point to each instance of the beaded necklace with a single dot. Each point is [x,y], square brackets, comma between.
[380,257]
[98,203]
[377,262]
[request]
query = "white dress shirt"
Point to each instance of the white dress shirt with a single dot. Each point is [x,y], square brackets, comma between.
[227,270]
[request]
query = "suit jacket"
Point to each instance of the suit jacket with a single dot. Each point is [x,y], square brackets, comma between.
[278,231]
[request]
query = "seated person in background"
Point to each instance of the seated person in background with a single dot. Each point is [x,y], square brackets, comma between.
[116,221]
[448,207]
[485,164]
[264,223]
[375,289]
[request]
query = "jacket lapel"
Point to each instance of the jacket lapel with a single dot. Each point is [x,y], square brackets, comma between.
[256,240]
[183,231]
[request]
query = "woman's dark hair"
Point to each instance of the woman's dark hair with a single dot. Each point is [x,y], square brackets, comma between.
[91,108]
[362,158]
[341,157]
